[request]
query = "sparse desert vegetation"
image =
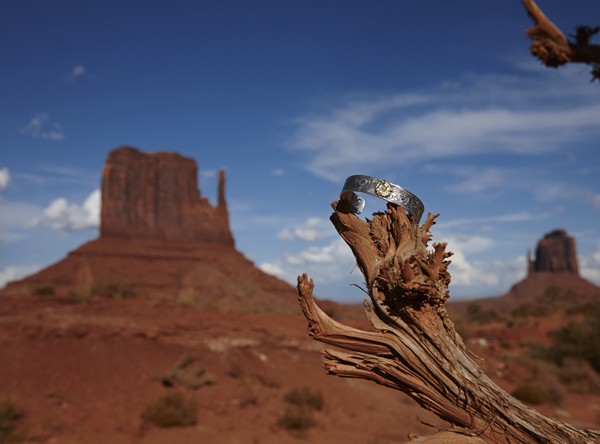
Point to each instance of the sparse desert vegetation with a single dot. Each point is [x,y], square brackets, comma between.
[299,415]
[187,372]
[172,409]
[10,413]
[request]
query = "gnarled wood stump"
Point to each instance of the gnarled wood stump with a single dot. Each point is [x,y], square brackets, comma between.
[550,45]
[414,347]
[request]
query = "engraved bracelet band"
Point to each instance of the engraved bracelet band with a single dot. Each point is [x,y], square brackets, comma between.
[384,190]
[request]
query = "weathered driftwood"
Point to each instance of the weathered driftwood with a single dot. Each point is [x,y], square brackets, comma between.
[414,347]
[551,46]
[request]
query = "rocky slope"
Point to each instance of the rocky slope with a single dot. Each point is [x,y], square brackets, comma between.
[160,239]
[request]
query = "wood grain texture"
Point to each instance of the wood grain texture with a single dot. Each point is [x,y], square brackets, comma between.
[414,346]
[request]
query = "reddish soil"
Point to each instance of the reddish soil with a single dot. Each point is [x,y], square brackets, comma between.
[83,373]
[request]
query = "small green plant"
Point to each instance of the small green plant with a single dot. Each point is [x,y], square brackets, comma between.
[187,372]
[9,415]
[46,290]
[172,409]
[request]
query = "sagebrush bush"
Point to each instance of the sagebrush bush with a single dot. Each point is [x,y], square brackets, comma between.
[533,392]
[578,340]
[46,290]
[113,290]
[268,380]
[476,313]
[297,418]
[236,371]
[9,414]
[304,401]
[580,377]
[305,396]
[187,372]
[173,409]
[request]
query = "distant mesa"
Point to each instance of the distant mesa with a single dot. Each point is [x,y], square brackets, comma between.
[554,268]
[161,239]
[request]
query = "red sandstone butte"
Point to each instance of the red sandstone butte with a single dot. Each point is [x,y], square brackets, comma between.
[555,265]
[555,253]
[160,239]
[554,271]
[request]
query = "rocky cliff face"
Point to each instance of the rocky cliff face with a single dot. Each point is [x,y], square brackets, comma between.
[156,196]
[160,239]
[555,253]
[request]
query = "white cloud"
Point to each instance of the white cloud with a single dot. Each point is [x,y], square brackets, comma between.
[467,244]
[79,70]
[594,199]
[334,262]
[313,229]
[278,172]
[407,128]
[331,262]
[4,178]
[477,179]
[72,217]
[41,127]
[480,278]
[11,273]
[482,275]
[589,266]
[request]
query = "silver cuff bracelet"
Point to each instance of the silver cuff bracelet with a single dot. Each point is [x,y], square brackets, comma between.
[384,190]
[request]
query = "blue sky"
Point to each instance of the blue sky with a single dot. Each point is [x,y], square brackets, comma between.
[441,98]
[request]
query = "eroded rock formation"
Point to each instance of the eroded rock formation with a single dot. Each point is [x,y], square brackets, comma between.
[555,253]
[161,239]
[156,196]
[554,272]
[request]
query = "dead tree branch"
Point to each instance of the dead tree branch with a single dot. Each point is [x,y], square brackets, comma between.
[414,347]
[550,45]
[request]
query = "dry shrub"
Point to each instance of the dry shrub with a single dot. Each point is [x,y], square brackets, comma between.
[533,392]
[248,399]
[478,315]
[46,290]
[186,298]
[298,418]
[172,409]
[236,371]
[305,396]
[580,377]
[113,290]
[299,415]
[187,372]
[578,340]
[9,415]
[538,392]
[268,380]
